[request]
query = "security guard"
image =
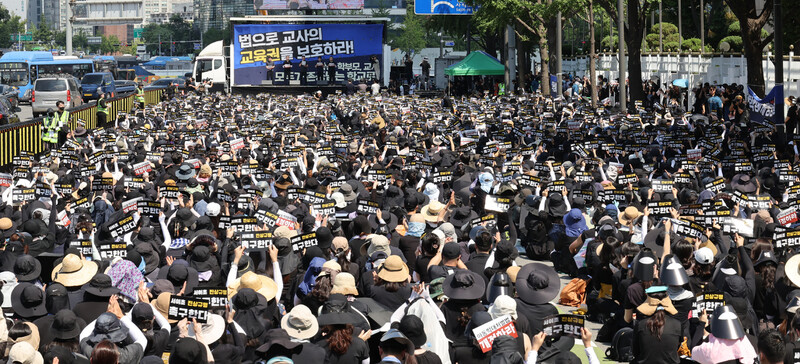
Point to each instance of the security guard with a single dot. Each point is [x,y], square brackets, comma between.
[62,115]
[50,129]
[102,109]
[140,96]
[501,89]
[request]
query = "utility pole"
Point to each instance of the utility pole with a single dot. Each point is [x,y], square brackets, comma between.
[702,27]
[623,62]
[171,46]
[680,28]
[511,58]
[69,27]
[159,44]
[776,12]
[559,86]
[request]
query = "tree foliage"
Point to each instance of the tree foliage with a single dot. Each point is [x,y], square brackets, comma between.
[9,25]
[176,30]
[413,35]
[43,33]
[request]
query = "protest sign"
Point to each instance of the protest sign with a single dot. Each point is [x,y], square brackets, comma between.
[217,297]
[113,250]
[304,241]
[497,203]
[486,333]
[564,325]
[122,226]
[181,307]
[367,206]
[256,240]
[84,246]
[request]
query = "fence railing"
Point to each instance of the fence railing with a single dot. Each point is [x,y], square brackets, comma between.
[27,136]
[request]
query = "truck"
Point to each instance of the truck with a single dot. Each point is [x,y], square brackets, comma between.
[213,64]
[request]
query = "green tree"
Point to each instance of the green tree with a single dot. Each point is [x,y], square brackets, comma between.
[751,24]
[43,33]
[213,35]
[412,37]
[9,25]
[109,44]
[79,40]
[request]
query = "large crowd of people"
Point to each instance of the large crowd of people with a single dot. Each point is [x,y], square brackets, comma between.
[368,228]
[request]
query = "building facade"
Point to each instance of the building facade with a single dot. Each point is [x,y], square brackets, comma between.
[215,14]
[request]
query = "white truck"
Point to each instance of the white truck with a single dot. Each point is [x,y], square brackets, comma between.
[213,65]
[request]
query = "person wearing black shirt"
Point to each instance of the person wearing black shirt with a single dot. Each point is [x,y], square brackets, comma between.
[320,66]
[303,71]
[331,71]
[792,117]
[270,65]
[287,70]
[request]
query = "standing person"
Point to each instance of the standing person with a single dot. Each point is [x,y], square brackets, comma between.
[50,128]
[62,115]
[331,71]
[140,96]
[426,70]
[102,108]
[792,117]
[303,71]
[376,66]
[320,65]
[270,65]
[287,70]
[409,64]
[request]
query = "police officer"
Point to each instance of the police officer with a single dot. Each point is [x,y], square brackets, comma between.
[140,96]
[102,109]
[62,115]
[50,129]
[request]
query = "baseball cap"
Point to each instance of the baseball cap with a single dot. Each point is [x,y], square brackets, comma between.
[704,256]
[451,251]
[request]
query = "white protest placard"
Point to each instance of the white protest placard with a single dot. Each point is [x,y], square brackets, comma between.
[787,216]
[486,333]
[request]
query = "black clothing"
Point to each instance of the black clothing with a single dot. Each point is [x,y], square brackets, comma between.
[647,348]
[535,314]
[357,352]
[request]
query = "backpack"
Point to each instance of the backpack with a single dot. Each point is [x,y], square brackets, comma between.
[621,346]
[574,293]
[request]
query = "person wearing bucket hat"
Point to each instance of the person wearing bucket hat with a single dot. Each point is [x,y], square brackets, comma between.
[74,271]
[27,268]
[726,340]
[130,341]
[396,348]
[95,297]
[388,285]
[28,301]
[536,285]
[657,335]
[63,326]
[468,288]
[342,340]
[300,323]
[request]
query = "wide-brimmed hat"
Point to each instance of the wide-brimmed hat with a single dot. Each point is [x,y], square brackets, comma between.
[628,215]
[743,183]
[185,171]
[100,286]
[24,353]
[300,323]
[575,223]
[212,329]
[261,284]
[430,212]
[655,239]
[186,216]
[161,304]
[337,311]
[74,271]
[27,268]
[464,285]
[280,338]
[345,284]
[792,269]
[65,325]
[412,327]
[347,192]
[389,218]
[28,300]
[462,215]
[396,335]
[177,274]
[537,283]
[725,324]
[555,205]
[375,243]
[108,327]
[393,270]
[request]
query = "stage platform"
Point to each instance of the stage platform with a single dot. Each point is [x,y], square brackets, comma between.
[295,88]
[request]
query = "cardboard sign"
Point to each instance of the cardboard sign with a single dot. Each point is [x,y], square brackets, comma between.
[122,226]
[497,203]
[689,228]
[141,168]
[84,246]
[564,325]
[301,242]
[23,195]
[366,206]
[788,216]
[486,333]
[325,208]
[786,239]
[662,186]
[217,297]
[442,176]
[660,208]
[103,184]
[111,251]
[708,301]
[148,208]
[181,307]
[256,240]
[169,192]
[244,223]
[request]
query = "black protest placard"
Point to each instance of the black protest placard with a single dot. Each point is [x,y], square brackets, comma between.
[43,190]
[182,307]
[786,239]
[708,301]
[367,207]
[556,186]
[497,203]
[122,226]
[102,184]
[660,208]
[564,325]
[442,176]
[244,223]
[21,173]
[304,241]
[624,179]
[376,174]
[581,176]
[716,185]
[530,181]
[266,217]
[689,228]
[134,182]
[84,246]
[611,196]
[169,191]
[682,178]
[662,185]
[256,240]
[63,188]
[23,195]
[760,202]
[83,202]
[324,208]
[113,250]
[709,217]
[148,208]
[217,297]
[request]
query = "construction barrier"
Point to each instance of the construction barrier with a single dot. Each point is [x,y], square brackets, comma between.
[27,136]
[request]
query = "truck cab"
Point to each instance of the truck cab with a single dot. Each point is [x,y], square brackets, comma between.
[212,65]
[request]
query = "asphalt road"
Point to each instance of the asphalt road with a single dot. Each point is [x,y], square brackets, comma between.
[26,114]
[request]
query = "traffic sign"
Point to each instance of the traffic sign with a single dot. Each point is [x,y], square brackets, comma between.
[94,40]
[450,43]
[442,7]
[137,32]
[24,37]
[197,46]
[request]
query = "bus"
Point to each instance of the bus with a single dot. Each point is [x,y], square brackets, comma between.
[21,69]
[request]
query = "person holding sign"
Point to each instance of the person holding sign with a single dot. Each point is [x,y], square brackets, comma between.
[270,66]
[287,70]
[657,336]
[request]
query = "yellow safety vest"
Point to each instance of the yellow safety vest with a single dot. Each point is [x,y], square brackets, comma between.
[100,108]
[139,95]
[50,132]
[63,118]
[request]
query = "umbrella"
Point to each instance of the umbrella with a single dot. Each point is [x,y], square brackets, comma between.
[681,82]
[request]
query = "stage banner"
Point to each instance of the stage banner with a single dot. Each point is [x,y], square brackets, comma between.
[762,111]
[351,45]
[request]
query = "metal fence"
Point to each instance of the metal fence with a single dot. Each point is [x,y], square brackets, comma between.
[27,136]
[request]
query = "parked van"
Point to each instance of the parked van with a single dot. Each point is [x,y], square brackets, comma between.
[47,91]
